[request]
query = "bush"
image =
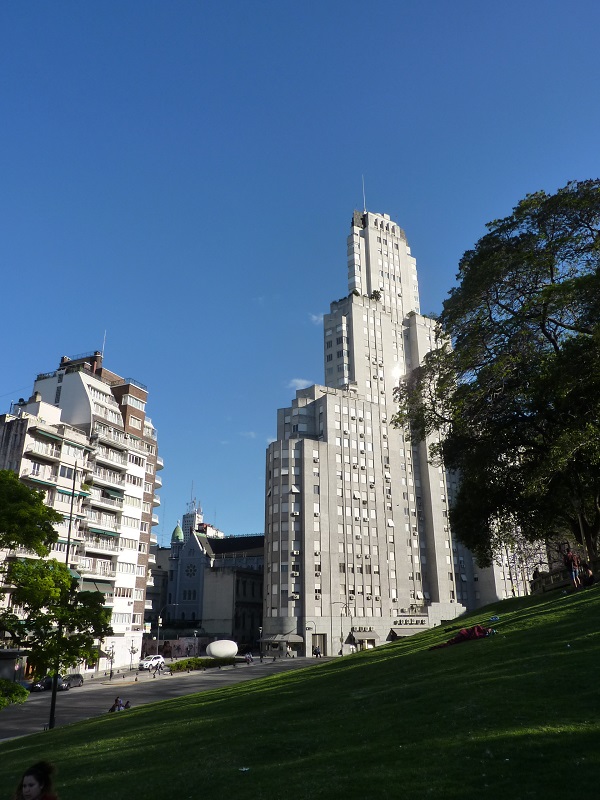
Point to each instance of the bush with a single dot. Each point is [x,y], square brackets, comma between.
[11,692]
[201,663]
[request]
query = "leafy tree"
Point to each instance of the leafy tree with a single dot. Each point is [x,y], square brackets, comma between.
[512,392]
[11,692]
[58,624]
[25,521]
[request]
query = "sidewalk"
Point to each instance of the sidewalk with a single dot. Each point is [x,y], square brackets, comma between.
[96,696]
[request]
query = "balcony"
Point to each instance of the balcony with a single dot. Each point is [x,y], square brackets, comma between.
[43,450]
[155,500]
[97,568]
[96,544]
[150,580]
[111,457]
[159,463]
[157,481]
[43,476]
[114,437]
[151,558]
[155,519]
[112,502]
[153,538]
[108,476]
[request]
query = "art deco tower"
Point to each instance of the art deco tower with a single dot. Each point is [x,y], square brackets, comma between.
[357,545]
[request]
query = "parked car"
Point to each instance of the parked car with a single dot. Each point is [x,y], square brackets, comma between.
[45,684]
[152,662]
[74,679]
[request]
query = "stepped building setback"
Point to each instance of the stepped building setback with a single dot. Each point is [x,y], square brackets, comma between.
[83,438]
[358,549]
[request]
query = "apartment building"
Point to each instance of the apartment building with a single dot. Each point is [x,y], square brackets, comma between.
[84,439]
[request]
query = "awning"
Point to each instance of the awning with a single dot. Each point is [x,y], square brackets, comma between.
[49,435]
[74,574]
[103,532]
[361,636]
[97,586]
[112,493]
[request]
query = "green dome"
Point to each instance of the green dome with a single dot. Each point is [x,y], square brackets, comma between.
[177,535]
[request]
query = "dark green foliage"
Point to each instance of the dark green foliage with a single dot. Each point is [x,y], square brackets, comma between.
[25,521]
[516,398]
[11,692]
[186,664]
[58,624]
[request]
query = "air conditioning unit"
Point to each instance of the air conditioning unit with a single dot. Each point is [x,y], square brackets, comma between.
[362,452]
[364,502]
[317,552]
[317,574]
[295,596]
[367,555]
[354,466]
[394,599]
[357,536]
[404,610]
[350,597]
[353,417]
[360,419]
[384,436]
[357,519]
[358,555]
[363,467]
[295,552]
[372,485]
[346,431]
[295,574]
[377,597]
[295,514]
[368,597]
[316,513]
[316,460]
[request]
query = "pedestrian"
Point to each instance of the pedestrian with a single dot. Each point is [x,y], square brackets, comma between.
[317,652]
[127,705]
[572,562]
[288,652]
[586,576]
[36,783]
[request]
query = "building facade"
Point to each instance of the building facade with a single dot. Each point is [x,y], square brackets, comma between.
[358,549]
[83,438]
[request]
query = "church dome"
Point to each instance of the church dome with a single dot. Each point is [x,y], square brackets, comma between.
[177,535]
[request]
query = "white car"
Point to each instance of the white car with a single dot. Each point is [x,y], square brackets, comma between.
[152,662]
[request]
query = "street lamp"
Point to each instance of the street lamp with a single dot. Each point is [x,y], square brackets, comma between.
[132,652]
[260,642]
[344,606]
[111,655]
[195,644]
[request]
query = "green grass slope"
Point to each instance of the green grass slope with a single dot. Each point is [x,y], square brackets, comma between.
[511,716]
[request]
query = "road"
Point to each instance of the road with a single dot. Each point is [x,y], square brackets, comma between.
[96,696]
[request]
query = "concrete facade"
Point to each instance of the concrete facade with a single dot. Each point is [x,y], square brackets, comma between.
[358,549]
[84,439]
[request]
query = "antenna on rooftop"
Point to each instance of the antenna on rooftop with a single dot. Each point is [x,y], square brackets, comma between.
[364,196]
[103,343]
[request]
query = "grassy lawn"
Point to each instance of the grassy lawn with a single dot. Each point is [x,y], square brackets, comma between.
[515,715]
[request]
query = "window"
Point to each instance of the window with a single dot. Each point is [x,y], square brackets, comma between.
[135,422]
[66,472]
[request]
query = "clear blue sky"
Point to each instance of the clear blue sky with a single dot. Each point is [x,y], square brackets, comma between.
[183,174]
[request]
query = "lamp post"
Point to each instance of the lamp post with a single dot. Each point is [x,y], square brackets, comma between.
[310,626]
[344,606]
[159,622]
[260,642]
[195,644]
[132,652]
[111,655]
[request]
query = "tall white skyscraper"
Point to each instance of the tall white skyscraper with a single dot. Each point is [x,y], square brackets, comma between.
[358,549]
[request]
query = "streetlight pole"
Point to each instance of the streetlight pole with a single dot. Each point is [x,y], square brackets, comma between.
[260,642]
[52,720]
[344,606]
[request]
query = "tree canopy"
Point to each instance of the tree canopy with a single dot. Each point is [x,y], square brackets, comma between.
[47,615]
[25,521]
[513,389]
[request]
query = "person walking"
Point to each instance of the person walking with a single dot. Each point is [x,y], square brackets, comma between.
[36,783]
[572,562]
